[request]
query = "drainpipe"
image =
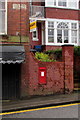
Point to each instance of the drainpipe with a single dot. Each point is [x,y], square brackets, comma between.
[20,21]
[63,59]
[30,8]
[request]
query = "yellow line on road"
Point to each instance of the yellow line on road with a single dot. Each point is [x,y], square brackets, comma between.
[44,108]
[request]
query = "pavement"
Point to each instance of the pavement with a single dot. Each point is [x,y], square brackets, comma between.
[40,101]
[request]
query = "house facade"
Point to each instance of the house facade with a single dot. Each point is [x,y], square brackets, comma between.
[52,24]
[58,23]
[14,40]
[14,18]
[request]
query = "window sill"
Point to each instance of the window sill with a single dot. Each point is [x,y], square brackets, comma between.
[35,39]
[60,44]
[3,33]
[62,8]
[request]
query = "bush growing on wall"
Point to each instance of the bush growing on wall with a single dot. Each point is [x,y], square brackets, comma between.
[56,54]
[77,51]
[53,55]
[43,57]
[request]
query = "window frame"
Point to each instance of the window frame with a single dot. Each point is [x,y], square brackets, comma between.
[73,29]
[5,10]
[35,38]
[65,7]
[63,31]
[62,5]
[55,31]
[50,27]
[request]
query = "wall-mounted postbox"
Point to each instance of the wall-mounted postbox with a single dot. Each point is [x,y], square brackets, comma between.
[42,75]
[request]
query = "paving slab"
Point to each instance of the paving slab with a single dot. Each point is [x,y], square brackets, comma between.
[38,101]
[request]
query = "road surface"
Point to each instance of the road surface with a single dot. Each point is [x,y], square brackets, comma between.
[62,111]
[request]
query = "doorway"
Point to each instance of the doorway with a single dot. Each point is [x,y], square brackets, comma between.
[10,81]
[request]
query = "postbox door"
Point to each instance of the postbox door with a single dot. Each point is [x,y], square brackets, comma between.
[42,75]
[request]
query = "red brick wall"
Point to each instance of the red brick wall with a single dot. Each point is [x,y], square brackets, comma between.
[62,13]
[48,47]
[14,21]
[38,2]
[79,13]
[55,77]
[68,58]
[59,74]
[24,83]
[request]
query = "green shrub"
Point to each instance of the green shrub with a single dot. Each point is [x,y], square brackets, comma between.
[77,51]
[59,51]
[53,55]
[56,53]
[43,57]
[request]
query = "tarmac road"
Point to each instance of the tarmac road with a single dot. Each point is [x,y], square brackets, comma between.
[62,111]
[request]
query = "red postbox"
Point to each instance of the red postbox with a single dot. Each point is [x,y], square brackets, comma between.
[42,75]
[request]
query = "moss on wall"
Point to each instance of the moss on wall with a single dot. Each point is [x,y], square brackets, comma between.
[14,39]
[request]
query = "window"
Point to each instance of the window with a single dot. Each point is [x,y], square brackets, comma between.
[62,31]
[74,32]
[62,3]
[74,4]
[35,36]
[3,16]
[51,2]
[51,32]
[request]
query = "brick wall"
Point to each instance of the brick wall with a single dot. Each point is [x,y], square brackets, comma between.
[24,83]
[18,20]
[79,11]
[55,77]
[62,13]
[38,2]
[59,75]
[48,47]
[68,59]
